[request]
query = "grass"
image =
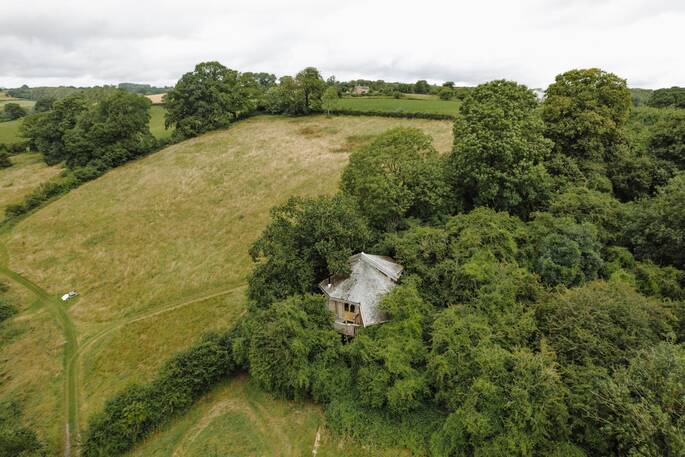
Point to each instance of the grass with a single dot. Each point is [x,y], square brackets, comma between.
[427,104]
[9,131]
[26,173]
[157,122]
[158,250]
[238,419]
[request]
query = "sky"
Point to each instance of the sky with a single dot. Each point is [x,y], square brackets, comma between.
[95,42]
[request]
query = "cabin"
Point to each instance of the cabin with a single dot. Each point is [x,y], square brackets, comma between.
[360,90]
[354,298]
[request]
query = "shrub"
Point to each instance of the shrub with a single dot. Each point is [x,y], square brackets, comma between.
[6,311]
[134,413]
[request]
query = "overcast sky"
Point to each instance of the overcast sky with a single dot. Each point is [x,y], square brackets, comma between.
[86,42]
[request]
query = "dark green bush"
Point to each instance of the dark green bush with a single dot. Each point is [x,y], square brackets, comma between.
[6,310]
[137,411]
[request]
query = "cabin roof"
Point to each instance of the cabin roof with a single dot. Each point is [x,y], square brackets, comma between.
[370,278]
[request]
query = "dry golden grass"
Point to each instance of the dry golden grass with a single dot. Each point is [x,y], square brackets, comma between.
[156,99]
[20,179]
[171,227]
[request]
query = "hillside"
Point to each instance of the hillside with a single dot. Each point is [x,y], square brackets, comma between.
[20,179]
[158,251]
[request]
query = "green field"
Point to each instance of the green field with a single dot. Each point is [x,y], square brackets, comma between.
[26,173]
[157,249]
[157,122]
[427,104]
[9,131]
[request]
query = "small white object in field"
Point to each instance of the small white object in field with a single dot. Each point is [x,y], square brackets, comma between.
[69,295]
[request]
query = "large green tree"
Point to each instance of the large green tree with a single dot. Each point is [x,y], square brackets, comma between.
[12,111]
[209,97]
[312,85]
[305,241]
[46,131]
[111,132]
[499,150]
[656,228]
[398,175]
[584,111]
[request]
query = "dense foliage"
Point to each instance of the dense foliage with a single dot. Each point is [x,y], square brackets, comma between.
[499,150]
[12,111]
[209,97]
[16,439]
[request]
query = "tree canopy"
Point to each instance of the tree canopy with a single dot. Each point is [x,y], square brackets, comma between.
[499,151]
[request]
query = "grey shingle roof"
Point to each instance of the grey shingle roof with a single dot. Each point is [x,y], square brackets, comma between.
[370,278]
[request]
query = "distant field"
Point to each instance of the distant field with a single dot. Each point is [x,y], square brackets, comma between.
[9,131]
[157,249]
[157,122]
[20,179]
[402,105]
[156,99]
[28,104]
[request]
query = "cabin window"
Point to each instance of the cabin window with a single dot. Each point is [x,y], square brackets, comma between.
[353,308]
[347,306]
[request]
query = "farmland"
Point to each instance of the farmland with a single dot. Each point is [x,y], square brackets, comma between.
[157,249]
[425,104]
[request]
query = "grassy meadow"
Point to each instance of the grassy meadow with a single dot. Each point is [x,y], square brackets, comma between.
[9,131]
[26,173]
[157,249]
[415,104]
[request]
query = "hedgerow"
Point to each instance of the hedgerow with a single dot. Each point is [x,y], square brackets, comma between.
[134,413]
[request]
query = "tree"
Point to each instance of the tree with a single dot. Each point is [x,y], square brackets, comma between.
[671,97]
[562,251]
[305,241]
[584,111]
[292,344]
[312,85]
[110,133]
[421,87]
[656,226]
[603,324]
[46,131]
[642,406]
[445,93]
[499,150]
[329,99]
[5,161]
[44,104]
[209,97]
[500,401]
[667,141]
[12,111]
[389,359]
[398,175]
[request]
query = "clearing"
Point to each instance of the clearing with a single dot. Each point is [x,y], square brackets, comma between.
[157,249]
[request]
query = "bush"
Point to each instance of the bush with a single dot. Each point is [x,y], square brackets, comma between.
[17,440]
[5,161]
[643,405]
[134,413]
[6,311]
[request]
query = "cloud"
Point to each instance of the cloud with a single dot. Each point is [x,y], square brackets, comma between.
[82,42]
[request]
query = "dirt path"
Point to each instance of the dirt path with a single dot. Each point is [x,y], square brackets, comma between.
[56,307]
